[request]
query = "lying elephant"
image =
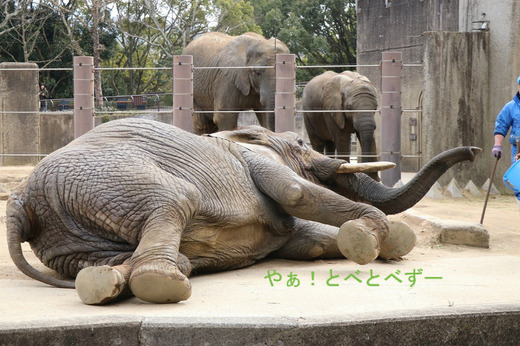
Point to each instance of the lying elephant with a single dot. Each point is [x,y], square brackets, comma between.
[330,131]
[136,206]
[229,88]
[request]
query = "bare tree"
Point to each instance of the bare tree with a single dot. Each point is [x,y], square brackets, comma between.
[89,14]
[22,22]
[8,11]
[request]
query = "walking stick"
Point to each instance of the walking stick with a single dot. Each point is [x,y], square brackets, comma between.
[489,190]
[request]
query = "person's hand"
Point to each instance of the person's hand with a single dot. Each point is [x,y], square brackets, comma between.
[497,151]
[517,156]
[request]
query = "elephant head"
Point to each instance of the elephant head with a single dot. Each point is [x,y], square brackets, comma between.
[347,179]
[352,91]
[257,81]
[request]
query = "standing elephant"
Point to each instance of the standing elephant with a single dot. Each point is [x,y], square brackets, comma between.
[330,131]
[136,206]
[228,88]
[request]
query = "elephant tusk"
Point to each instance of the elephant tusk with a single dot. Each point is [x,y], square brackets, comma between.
[366,167]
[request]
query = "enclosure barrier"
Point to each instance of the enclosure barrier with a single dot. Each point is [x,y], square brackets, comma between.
[285,109]
[183,92]
[391,116]
[83,95]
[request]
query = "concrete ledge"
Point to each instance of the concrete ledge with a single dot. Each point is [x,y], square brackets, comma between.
[460,233]
[454,232]
[459,328]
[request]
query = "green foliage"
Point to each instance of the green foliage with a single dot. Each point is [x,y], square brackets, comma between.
[234,17]
[318,32]
[148,34]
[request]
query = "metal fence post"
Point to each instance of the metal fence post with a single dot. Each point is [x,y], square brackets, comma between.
[391,67]
[183,92]
[83,94]
[285,101]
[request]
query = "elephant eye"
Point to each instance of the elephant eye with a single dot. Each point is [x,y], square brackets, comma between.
[300,142]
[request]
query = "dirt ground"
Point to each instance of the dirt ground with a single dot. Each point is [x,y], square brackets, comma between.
[501,221]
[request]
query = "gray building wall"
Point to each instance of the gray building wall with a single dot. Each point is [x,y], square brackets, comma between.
[402,26]
[455,108]
[504,66]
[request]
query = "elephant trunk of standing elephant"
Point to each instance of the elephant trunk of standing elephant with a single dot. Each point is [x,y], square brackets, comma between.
[368,146]
[266,116]
[362,188]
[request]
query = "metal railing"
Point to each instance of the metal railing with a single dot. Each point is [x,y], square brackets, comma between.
[111,102]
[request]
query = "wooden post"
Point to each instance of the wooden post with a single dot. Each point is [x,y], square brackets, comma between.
[285,101]
[183,92]
[83,94]
[391,67]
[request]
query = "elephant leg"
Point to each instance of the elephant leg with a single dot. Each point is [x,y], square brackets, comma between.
[330,149]
[313,240]
[363,227]
[343,146]
[265,119]
[225,121]
[400,241]
[159,271]
[156,276]
[203,124]
[98,285]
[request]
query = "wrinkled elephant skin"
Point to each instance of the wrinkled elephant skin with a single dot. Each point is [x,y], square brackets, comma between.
[234,79]
[134,207]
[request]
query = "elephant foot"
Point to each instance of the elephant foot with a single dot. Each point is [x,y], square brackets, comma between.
[358,242]
[159,286]
[399,242]
[101,285]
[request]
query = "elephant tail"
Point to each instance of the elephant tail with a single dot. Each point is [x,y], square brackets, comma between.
[18,231]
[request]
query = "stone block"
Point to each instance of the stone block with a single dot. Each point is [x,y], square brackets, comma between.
[462,233]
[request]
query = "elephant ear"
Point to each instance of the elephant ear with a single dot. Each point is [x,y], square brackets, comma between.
[234,55]
[251,134]
[254,138]
[332,99]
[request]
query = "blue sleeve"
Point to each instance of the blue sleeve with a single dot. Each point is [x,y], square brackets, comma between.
[504,121]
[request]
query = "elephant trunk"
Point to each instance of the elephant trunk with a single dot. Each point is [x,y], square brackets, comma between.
[368,150]
[365,126]
[362,188]
[267,101]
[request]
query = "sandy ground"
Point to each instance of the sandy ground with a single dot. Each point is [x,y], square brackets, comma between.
[501,221]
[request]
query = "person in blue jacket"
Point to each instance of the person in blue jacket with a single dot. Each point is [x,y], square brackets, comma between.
[509,118]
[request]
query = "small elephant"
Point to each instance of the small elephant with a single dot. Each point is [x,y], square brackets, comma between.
[224,88]
[134,206]
[330,131]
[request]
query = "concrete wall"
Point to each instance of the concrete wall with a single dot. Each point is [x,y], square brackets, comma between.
[19,105]
[504,67]
[56,130]
[457,89]
[400,27]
